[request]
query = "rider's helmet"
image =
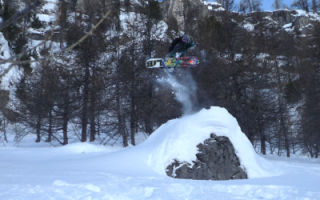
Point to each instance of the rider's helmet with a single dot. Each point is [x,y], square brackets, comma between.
[186,38]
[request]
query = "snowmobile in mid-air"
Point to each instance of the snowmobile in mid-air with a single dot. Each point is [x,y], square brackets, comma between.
[178,46]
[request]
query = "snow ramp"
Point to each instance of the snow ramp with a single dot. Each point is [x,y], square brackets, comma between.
[178,138]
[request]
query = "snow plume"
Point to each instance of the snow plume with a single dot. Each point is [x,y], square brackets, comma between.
[184,88]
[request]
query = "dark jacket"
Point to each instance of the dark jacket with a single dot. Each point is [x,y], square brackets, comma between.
[178,45]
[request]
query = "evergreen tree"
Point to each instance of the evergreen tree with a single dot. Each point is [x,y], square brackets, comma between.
[36,23]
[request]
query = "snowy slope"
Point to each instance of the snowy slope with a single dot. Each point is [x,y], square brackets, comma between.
[90,171]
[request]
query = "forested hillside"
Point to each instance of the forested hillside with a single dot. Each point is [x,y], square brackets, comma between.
[76,69]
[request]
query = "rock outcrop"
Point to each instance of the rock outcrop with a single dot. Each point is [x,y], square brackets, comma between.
[283,17]
[216,160]
[179,9]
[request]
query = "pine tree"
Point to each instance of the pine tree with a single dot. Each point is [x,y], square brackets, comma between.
[36,23]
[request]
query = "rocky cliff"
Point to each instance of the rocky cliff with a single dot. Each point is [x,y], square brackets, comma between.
[288,18]
[179,10]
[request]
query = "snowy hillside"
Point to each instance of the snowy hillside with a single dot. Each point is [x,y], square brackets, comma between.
[89,171]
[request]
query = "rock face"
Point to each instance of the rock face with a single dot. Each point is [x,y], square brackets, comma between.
[216,160]
[283,16]
[179,9]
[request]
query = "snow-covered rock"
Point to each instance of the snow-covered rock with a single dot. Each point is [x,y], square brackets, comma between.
[216,160]
[179,139]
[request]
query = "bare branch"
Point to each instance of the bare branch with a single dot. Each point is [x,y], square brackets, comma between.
[84,37]
[21,14]
[24,52]
[14,62]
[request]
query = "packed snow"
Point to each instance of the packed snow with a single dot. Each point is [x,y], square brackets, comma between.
[92,171]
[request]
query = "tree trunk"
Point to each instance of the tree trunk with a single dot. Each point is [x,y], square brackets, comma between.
[149,107]
[4,130]
[50,127]
[263,142]
[309,150]
[84,118]
[133,117]
[38,126]
[92,117]
[281,104]
[285,134]
[65,122]
[132,129]
[121,124]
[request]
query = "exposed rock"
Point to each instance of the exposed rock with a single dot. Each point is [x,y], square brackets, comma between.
[301,22]
[283,16]
[216,160]
[179,9]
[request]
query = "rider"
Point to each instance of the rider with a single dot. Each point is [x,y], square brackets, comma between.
[180,45]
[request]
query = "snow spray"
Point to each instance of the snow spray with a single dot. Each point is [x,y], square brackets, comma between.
[184,90]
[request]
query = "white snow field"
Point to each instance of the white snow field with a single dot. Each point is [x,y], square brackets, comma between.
[90,171]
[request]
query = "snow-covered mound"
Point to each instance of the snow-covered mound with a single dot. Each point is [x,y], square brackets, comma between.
[178,139]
